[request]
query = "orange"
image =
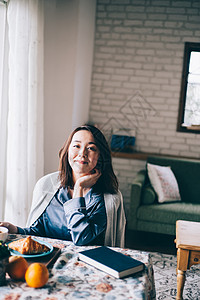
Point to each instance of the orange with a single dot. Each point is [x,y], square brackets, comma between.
[37,275]
[17,267]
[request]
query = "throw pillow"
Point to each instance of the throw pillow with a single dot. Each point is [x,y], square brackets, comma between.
[164,183]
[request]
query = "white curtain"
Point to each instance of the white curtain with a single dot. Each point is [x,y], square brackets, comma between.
[3,104]
[24,146]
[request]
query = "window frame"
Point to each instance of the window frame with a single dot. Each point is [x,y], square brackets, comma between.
[189,47]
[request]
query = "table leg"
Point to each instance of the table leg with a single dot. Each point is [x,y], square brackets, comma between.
[180,284]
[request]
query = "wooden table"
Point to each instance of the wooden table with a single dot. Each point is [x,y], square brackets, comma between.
[72,279]
[188,250]
[186,257]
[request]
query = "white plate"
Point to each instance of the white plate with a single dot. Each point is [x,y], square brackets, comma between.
[14,252]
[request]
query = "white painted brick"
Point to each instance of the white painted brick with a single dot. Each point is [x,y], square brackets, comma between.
[152,24]
[193,39]
[116,15]
[101,14]
[159,80]
[121,2]
[171,39]
[157,17]
[97,82]
[177,17]
[98,95]
[137,16]
[165,133]
[145,52]
[131,85]
[192,11]
[133,65]
[107,90]
[103,28]
[169,152]
[133,22]
[112,83]
[180,147]
[162,31]
[116,98]
[164,94]
[164,74]
[182,3]
[103,56]
[150,86]
[160,3]
[153,42]
[123,29]
[139,79]
[134,44]
[190,155]
[139,49]
[155,138]
[111,50]
[124,71]
[115,8]
[119,77]
[122,57]
[124,91]
[176,10]
[101,76]
[173,24]
[176,140]
[193,142]
[172,88]
[164,146]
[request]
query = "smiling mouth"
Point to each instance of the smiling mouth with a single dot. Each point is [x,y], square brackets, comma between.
[81,162]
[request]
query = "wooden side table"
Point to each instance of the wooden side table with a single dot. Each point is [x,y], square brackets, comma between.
[187,255]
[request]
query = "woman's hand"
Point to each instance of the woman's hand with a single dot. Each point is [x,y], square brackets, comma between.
[11,228]
[84,183]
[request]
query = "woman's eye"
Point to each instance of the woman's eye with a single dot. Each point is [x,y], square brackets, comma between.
[92,148]
[76,146]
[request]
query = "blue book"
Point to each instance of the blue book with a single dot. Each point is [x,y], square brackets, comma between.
[112,262]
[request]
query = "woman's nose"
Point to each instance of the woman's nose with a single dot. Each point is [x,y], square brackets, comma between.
[83,151]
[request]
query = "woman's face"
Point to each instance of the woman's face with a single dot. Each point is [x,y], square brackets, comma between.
[83,153]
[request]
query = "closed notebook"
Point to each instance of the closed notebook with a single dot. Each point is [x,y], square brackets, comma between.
[111,261]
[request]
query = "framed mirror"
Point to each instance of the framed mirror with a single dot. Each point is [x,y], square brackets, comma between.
[189,107]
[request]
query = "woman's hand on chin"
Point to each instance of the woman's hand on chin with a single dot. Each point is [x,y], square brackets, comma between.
[84,183]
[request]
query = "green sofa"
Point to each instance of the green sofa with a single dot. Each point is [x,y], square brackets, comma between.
[146,214]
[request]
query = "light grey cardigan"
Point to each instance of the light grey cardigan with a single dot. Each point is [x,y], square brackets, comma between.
[47,186]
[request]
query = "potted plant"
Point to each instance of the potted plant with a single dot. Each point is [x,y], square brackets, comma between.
[4,255]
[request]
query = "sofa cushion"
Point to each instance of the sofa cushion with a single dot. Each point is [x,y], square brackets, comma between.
[163,182]
[168,213]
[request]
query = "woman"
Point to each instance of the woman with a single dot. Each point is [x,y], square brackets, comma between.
[81,202]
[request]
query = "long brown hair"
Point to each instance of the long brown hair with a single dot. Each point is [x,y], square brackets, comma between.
[107,183]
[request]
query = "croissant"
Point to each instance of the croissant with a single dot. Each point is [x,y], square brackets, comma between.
[28,246]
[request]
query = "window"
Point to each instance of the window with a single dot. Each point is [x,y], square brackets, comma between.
[189,108]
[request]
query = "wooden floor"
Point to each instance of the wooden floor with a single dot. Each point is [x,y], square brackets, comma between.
[151,242]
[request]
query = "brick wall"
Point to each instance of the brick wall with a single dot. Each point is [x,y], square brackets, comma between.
[138,57]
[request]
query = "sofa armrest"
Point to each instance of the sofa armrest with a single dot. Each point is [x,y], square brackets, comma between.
[135,198]
[148,195]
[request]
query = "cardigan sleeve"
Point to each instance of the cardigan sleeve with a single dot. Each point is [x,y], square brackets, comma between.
[44,190]
[116,220]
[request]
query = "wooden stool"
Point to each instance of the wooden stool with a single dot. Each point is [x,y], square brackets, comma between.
[187,255]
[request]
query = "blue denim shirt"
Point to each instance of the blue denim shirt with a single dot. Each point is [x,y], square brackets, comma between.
[81,220]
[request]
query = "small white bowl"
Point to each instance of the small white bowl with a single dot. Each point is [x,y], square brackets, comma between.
[3,233]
